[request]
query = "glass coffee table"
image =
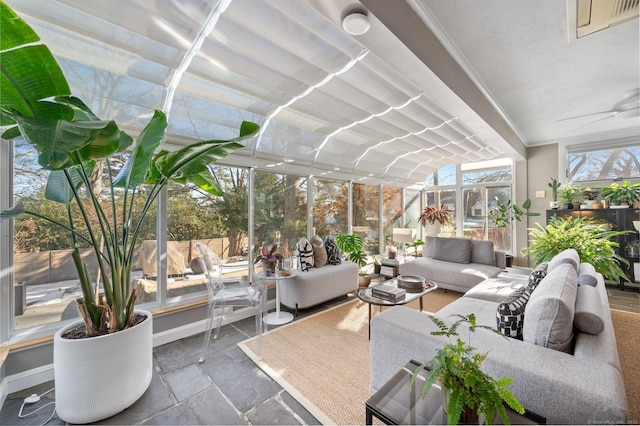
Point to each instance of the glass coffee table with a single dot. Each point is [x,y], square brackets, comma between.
[396,402]
[366,296]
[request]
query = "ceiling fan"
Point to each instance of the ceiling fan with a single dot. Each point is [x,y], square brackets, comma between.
[627,107]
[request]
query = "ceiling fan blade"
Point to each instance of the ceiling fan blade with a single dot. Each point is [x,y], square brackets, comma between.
[586,115]
[593,122]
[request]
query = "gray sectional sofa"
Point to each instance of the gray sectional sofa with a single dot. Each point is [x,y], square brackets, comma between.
[565,369]
[456,263]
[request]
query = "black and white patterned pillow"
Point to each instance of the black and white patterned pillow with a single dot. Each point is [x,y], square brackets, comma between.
[536,276]
[333,252]
[510,314]
[305,254]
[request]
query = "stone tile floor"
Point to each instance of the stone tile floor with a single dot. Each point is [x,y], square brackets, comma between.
[227,388]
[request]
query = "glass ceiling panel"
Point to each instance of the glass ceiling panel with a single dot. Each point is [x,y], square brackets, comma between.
[323,98]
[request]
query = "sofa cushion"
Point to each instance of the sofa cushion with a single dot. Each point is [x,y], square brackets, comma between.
[548,319]
[305,254]
[319,252]
[569,256]
[587,275]
[510,314]
[496,289]
[457,250]
[450,275]
[482,252]
[429,246]
[588,317]
[333,252]
[536,276]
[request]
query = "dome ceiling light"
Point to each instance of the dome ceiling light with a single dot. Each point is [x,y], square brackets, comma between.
[356,23]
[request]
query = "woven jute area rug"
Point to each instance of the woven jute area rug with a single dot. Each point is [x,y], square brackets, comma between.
[627,329]
[323,360]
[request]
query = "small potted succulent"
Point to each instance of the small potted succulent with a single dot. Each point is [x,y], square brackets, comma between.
[467,390]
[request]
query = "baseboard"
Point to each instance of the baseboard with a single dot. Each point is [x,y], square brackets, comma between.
[25,380]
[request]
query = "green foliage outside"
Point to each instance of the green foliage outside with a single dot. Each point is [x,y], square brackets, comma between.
[594,242]
[78,148]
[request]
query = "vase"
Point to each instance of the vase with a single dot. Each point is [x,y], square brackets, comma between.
[98,377]
[432,229]
[268,267]
[364,280]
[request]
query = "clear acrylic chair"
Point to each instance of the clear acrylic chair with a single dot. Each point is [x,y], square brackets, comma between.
[227,293]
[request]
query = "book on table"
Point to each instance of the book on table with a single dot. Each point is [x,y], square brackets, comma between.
[388,292]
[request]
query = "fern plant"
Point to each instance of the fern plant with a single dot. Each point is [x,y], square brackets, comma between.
[457,368]
[593,241]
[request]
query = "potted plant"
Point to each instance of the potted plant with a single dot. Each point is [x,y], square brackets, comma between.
[352,244]
[100,371]
[554,185]
[569,194]
[594,242]
[269,259]
[377,264]
[590,194]
[417,243]
[502,216]
[433,218]
[468,391]
[625,195]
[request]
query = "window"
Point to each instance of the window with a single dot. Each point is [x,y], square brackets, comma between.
[365,216]
[392,213]
[45,275]
[588,163]
[445,175]
[411,208]
[330,207]
[220,222]
[484,183]
[280,212]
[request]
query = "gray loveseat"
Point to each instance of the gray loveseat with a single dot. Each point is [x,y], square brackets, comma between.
[317,285]
[456,263]
[565,369]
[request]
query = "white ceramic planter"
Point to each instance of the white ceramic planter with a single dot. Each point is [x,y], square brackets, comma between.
[432,229]
[99,377]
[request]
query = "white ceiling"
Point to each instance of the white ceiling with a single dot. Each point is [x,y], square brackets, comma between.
[389,106]
[525,55]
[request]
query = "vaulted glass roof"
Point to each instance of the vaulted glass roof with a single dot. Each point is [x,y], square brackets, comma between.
[328,102]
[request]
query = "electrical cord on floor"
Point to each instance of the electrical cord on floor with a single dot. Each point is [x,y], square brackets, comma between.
[33,399]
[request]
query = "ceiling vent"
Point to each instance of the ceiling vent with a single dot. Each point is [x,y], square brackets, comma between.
[596,15]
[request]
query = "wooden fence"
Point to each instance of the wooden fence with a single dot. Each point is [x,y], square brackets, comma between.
[57,265]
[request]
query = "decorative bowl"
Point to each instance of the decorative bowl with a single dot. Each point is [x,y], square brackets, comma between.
[411,283]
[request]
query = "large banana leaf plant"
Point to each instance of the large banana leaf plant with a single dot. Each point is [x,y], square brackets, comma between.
[37,105]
